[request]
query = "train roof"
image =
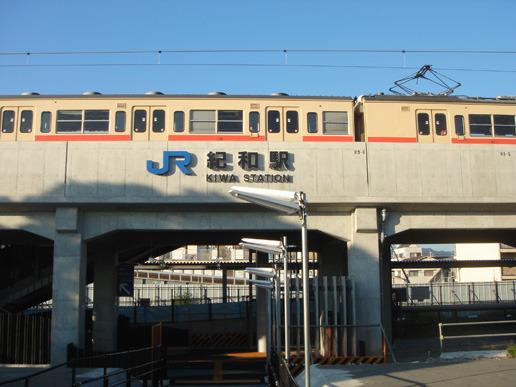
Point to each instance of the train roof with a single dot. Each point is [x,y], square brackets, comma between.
[158,95]
[438,98]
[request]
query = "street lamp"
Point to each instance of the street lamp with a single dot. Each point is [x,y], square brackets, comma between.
[291,203]
[274,247]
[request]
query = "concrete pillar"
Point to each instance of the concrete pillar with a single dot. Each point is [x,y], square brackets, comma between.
[68,284]
[105,308]
[262,310]
[364,270]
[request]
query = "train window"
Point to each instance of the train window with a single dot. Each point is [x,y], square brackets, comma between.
[202,121]
[254,122]
[335,122]
[292,121]
[311,118]
[120,121]
[459,125]
[273,121]
[69,121]
[440,124]
[158,121]
[230,121]
[96,121]
[26,121]
[423,124]
[480,125]
[504,125]
[179,122]
[46,118]
[8,121]
[140,121]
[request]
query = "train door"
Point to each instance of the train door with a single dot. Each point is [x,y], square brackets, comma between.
[283,124]
[432,126]
[149,123]
[17,123]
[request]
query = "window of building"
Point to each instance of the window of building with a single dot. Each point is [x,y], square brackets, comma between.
[46,119]
[480,125]
[179,121]
[273,121]
[120,121]
[69,121]
[292,121]
[459,125]
[440,124]
[423,124]
[311,119]
[335,122]
[504,125]
[413,273]
[96,121]
[8,121]
[26,118]
[254,122]
[140,120]
[428,273]
[230,121]
[158,121]
[202,121]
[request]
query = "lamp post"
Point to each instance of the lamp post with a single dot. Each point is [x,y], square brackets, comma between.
[291,203]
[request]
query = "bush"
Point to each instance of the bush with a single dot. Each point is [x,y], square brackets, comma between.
[511,351]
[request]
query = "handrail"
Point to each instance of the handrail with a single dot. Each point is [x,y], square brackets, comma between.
[37,373]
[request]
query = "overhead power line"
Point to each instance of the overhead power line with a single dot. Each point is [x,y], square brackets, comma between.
[277,65]
[266,50]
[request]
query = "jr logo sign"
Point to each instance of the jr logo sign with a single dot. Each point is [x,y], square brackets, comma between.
[181,159]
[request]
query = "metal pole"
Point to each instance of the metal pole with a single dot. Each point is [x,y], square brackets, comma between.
[286,301]
[269,324]
[277,312]
[306,293]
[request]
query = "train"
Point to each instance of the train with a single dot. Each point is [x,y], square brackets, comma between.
[277,117]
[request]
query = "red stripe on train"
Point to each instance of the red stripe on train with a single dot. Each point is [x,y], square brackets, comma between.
[484,140]
[391,139]
[83,137]
[328,138]
[213,137]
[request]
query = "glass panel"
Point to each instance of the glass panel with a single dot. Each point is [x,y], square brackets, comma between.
[158,121]
[273,121]
[423,124]
[312,122]
[202,121]
[140,121]
[459,125]
[440,124]
[26,121]
[46,118]
[96,120]
[292,122]
[254,122]
[69,121]
[179,122]
[480,125]
[504,125]
[230,121]
[335,122]
[8,121]
[120,121]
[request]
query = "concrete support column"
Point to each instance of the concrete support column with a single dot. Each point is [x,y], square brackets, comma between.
[105,308]
[68,284]
[262,310]
[364,270]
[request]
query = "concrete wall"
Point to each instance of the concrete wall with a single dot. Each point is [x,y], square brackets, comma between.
[464,251]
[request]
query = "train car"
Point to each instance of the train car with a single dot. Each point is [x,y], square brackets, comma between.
[435,119]
[158,117]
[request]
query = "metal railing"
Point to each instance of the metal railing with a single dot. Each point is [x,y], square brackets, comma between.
[453,293]
[279,372]
[442,337]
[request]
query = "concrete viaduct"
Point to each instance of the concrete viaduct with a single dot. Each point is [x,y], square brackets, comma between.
[97,204]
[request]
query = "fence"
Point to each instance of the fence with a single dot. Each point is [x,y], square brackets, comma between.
[452,293]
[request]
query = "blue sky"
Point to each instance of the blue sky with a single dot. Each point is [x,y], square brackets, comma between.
[35,25]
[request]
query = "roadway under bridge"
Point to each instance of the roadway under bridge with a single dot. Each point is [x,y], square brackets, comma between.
[70,212]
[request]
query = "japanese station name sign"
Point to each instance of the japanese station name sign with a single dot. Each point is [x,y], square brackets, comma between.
[251,166]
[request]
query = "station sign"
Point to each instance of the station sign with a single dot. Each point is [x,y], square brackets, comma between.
[247,167]
[125,280]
